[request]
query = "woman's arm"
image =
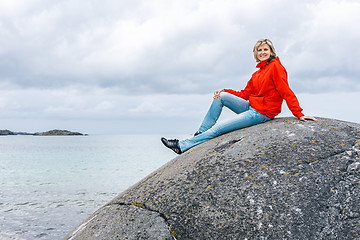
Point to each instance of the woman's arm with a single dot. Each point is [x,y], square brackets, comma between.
[245,93]
[279,76]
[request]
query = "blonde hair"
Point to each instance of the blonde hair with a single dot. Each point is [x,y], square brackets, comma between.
[261,42]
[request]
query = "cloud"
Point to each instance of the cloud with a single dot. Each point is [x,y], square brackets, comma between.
[160,44]
[100,110]
[142,59]
[95,103]
[320,58]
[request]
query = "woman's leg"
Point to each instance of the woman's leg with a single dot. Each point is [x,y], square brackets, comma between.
[242,120]
[234,103]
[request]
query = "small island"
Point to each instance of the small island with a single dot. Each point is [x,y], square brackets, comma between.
[54,132]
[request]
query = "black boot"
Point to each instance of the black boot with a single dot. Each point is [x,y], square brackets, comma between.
[197,133]
[173,144]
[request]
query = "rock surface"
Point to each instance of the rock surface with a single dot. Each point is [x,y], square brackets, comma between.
[283,179]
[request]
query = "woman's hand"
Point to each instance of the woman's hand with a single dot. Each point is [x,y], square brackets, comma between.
[217,93]
[304,118]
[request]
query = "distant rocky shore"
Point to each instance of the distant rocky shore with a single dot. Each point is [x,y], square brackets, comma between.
[54,132]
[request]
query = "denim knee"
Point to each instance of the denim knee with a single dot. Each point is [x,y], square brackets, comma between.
[224,95]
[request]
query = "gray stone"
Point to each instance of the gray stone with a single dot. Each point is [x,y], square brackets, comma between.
[117,221]
[284,179]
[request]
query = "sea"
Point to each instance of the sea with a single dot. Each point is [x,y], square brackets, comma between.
[50,184]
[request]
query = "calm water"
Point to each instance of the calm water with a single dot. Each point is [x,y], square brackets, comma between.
[48,185]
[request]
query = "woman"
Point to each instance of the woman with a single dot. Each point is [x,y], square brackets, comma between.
[259,102]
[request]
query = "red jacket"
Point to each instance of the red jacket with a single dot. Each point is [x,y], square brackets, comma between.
[267,89]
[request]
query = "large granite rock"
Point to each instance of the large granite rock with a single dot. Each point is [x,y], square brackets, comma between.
[284,179]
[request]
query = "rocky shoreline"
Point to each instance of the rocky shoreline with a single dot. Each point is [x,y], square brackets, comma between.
[54,132]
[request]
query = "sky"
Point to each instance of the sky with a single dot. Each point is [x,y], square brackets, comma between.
[151,66]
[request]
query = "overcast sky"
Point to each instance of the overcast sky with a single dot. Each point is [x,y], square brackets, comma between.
[150,66]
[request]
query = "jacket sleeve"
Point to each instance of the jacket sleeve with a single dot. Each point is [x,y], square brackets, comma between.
[244,94]
[282,86]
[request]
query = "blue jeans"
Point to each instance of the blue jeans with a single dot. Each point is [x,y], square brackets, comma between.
[246,116]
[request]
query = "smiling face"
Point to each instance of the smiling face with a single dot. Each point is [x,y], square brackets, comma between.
[264,52]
